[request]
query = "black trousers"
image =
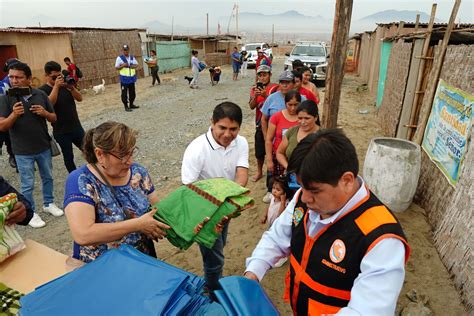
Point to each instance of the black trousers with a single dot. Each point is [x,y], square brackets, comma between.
[66,141]
[155,76]
[128,89]
[5,138]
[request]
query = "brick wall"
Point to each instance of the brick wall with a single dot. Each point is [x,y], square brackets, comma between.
[395,84]
[95,52]
[450,210]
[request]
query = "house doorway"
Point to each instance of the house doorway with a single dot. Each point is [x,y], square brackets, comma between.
[6,52]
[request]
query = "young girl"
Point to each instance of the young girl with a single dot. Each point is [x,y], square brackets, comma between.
[280,198]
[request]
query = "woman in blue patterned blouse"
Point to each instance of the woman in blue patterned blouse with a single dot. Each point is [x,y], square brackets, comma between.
[107,201]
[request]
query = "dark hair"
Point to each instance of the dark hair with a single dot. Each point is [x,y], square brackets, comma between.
[108,136]
[257,48]
[283,181]
[228,110]
[67,59]
[310,107]
[323,157]
[305,69]
[153,51]
[297,64]
[51,66]
[292,94]
[194,52]
[21,67]
[9,63]
[297,74]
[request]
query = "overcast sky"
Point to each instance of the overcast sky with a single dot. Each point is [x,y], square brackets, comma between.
[116,13]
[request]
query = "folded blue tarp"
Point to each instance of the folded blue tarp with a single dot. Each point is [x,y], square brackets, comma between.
[243,297]
[121,282]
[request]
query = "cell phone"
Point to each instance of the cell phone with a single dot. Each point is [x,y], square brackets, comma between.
[259,85]
[19,92]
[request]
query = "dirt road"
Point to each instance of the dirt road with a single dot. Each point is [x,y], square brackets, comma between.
[171,115]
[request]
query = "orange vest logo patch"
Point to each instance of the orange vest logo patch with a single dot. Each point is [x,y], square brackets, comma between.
[298,215]
[337,251]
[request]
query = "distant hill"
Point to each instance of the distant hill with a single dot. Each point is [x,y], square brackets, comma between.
[396,16]
[286,22]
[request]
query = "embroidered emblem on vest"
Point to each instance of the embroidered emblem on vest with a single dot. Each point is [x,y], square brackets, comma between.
[297,215]
[337,251]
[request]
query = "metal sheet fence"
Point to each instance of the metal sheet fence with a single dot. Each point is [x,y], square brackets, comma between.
[173,55]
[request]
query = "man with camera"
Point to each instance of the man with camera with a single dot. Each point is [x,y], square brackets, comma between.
[24,112]
[62,91]
[258,95]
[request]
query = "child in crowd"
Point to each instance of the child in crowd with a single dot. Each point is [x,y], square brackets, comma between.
[281,195]
[280,198]
[215,74]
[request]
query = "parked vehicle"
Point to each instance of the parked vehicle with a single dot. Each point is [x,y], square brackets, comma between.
[251,48]
[313,55]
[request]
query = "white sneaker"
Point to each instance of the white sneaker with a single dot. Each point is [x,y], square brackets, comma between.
[53,210]
[267,198]
[281,262]
[36,221]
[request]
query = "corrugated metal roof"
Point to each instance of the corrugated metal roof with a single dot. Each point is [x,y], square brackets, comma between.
[80,28]
[412,24]
[62,30]
[33,31]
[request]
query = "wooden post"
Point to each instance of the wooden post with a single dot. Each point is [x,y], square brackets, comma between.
[426,46]
[437,71]
[401,25]
[335,71]
[417,22]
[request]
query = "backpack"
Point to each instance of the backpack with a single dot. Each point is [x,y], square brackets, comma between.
[78,72]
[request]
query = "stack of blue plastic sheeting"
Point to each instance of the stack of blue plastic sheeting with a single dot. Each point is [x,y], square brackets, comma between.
[243,297]
[122,282]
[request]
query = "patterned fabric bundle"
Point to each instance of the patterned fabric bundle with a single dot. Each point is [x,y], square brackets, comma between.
[10,240]
[205,202]
[9,300]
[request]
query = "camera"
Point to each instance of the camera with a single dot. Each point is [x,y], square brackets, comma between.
[260,85]
[68,79]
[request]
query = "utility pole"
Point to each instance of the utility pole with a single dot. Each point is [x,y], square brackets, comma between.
[237,23]
[172,27]
[273,34]
[207,23]
[335,71]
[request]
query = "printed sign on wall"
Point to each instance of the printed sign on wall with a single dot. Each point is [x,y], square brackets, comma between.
[448,129]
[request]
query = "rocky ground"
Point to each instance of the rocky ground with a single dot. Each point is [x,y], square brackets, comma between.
[171,115]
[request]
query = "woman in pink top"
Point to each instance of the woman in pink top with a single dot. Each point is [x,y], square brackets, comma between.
[277,127]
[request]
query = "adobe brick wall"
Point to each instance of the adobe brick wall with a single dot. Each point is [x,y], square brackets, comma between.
[95,52]
[450,210]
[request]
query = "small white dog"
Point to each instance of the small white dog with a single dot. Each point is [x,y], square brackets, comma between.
[99,88]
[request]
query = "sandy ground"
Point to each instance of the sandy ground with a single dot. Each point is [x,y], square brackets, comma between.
[171,115]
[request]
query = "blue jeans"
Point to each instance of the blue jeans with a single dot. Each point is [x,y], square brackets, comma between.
[65,141]
[213,260]
[26,168]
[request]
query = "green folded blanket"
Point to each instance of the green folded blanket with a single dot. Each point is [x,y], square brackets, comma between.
[189,205]
[9,300]
[10,240]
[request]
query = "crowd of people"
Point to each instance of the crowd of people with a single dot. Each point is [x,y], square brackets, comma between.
[346,250]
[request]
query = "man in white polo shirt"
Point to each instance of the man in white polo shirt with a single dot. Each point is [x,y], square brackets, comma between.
[219,153]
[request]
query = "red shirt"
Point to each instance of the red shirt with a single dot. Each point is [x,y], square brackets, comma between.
[269,89]
[72,69]
[308,94]
[282,125]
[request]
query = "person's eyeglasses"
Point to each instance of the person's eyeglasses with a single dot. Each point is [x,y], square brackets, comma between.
[126,157]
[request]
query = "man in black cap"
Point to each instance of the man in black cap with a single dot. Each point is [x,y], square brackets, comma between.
[127,64]
[4,136]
